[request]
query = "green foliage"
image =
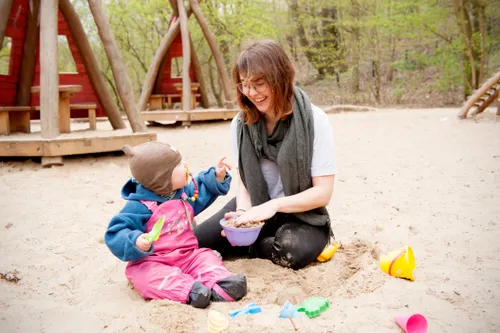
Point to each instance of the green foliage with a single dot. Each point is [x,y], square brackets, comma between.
[372,42]
[5,56]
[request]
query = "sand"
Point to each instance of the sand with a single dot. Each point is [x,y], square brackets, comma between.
[406,177]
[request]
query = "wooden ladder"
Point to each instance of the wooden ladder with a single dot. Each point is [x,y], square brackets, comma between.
[482,98]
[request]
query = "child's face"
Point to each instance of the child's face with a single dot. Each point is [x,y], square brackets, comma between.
[180,176]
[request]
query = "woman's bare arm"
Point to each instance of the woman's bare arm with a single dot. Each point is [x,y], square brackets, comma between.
[318,195]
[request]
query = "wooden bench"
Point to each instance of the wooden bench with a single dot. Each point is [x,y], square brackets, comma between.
[193,100]
[170,105]
[156,101]
[65,120]
[14,119]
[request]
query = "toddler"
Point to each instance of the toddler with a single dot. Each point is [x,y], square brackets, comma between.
[173,267]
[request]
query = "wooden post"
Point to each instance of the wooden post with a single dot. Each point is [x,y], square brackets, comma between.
[28,62]
[122,80]
[5,7]
[161,69]
[159,57]
[186,57]
[49,77]
[212,42]
[195,64]
[91,65]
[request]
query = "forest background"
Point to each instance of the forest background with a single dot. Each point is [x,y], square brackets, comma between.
[415,53]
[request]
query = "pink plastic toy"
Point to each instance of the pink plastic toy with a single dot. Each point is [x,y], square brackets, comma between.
[415,323]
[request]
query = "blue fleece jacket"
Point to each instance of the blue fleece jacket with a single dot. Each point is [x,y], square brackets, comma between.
[130,222]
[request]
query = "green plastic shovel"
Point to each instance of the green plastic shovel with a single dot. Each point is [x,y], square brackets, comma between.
[154,234]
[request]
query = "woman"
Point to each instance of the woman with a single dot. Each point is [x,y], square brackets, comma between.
[284,151]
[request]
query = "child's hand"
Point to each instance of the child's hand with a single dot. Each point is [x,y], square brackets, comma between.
[221,169]
[143,243]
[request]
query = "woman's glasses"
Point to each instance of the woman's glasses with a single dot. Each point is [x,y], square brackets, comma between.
[259,87]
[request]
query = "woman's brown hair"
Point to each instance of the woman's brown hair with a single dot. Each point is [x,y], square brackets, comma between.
[265,60]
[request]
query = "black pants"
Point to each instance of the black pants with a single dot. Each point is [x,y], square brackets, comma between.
[283,239]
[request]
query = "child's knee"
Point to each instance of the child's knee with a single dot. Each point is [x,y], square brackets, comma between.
[232,288]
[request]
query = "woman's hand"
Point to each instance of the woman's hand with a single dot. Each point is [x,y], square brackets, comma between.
[261,212]
[221,169]
[230,215]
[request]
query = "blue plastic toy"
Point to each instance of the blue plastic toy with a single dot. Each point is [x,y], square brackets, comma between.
[251,308]
[289,311]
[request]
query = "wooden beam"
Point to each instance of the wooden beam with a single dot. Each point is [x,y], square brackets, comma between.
[91,64]
[75,143]
[195,65]
[193,115]
[122,80]
[186,57]
[5,7]
[161,69]
[49,76]
[175,9]
[159,57]
[219,60]
[477,95]
[28,61]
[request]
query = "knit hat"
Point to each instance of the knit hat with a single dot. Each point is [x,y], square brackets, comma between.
[152,164]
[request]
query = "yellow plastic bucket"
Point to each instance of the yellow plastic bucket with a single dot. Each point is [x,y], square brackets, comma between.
[399,263]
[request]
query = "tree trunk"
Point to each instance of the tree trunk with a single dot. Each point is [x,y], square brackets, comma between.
[91,65]
[195,64]
[466,29]
[219,61]
[122,80]
[49,76]
[28,62]
[482,29]
[5,7]
[392,46]
[376,67]
[300,30]
[186,57]
[357,47]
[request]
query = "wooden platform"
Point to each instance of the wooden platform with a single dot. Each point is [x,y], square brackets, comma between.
[193,115]
[74,143]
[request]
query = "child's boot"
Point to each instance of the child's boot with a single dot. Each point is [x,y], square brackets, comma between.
[230,289]
[200,296]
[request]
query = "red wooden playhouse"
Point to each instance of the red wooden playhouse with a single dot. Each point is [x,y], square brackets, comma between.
[31,87]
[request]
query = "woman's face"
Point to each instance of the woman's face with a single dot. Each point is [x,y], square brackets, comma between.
[180,175]
[258,92]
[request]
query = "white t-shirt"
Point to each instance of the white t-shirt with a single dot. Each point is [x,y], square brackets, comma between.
[323,158]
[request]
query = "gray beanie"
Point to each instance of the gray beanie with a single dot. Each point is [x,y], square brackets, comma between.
[152,164]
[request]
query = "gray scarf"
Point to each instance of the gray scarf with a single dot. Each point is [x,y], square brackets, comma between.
[290,146]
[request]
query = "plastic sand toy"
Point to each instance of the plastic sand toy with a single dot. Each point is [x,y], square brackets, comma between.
[414,323]
[216,322]
[251,308]
[289,311]
[399,263]
[328,252]
[240,236]
[314,306]
[154,234]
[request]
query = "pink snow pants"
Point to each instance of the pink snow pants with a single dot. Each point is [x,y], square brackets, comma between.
[176,262]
